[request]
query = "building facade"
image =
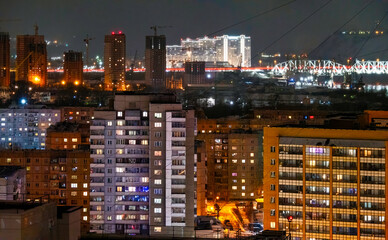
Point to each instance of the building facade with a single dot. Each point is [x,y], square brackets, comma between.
[12,183]
[236,50]
[142,179]
[72,68]
[332,182]
[155,62]
[5,77]
[25,128]
[114,61]
[31,61]
[60,176]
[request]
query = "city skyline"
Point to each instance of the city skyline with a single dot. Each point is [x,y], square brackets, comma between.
[191,19]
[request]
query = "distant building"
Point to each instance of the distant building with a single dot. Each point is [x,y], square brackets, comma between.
[5,79]
[72,68]
[25,128]
[77,114]
[236,50]
[31,61]
[114,61]
[155,62]
[68,136]
[194,73]
[142,170]
[332,182]
[12,183]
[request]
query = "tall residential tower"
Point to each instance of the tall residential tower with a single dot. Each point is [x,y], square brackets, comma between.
[155,61]
[4,60]
[114,61]
[72,68]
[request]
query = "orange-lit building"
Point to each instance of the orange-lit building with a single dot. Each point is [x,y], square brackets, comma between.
[5,78]
[63,176]
[200,163]
[67,136]
[114,61]
[331,181]
[31,61]
[72,68]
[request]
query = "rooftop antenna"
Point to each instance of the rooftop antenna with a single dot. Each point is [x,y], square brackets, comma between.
[36,29]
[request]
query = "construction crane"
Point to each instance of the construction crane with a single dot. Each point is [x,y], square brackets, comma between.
[155,28]
[86,40]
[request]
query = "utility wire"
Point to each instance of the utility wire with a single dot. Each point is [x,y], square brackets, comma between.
[343,25]
[250,18]
[370,35]
[292,29]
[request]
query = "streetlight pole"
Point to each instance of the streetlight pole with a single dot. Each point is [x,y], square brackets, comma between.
[289,218]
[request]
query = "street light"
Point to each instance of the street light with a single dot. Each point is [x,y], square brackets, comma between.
[289,218]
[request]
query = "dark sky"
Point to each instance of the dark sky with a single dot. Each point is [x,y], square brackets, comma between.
[70,20]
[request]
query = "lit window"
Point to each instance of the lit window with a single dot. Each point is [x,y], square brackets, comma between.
[158,153]
[234,187]
[273,212]
[110,123]
[74,185]
[243,194]
[272,161]
[85,218]
[243,161]
[252,194]
[73,194]
[234,174]
[65,140]
[157,172]
[158,219]
[144,179]
[158,181]
[144,142]
[145,114]
[85,194]
[158,124]
[157,200]
[234,160]
[158,115]
[273,224]
[85,185]
[242,180]
[8,160]
[109,218]
[252,161]
[85,209]
[157,229]
[119,114]
[252,154]
[242,187]
[157,210]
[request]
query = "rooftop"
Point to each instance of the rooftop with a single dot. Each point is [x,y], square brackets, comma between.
[6,171]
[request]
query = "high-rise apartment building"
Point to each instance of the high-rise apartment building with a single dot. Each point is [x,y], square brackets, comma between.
[31,61]
[60,176]
[194,73]
[155,61]
[25,128]
[5,79]
[114,61]
[236,50]
[142,179]
[72,68]
[331,182]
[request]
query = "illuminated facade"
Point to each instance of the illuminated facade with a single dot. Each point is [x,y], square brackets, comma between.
[72,68]
[155,61]
[31,61]
[63,176]
[67,136]
[236,50]
[5,79]
[26,128]
[142,170]
[332,182]
[114,61]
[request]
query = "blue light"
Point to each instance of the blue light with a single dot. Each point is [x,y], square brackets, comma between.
[23,101]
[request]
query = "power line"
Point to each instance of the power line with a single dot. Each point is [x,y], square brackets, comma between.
[370,35]
[343,25]
[292,29]
[250,18]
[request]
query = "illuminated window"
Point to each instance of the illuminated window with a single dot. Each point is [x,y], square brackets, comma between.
[74,140]
[65,140]
[110,123]
[109,218]
[145,114]
[273,224]
[74,177]
[157,210]
[144,179]
[234,160]
[144,142]
[234,187]
[157,229]
[242,187]
[243,161]
[74,185]
[234,174]
[273,212]
[119,114]
[158,124]
[252,154]
[120,123]
[85,194]
[252,194]
[158,181]
[242,180]
[85,209]
[157,172]
[158,219]
[73,194]
[158,115]
[158,153]
[8,160]
[243,194]
[157,200]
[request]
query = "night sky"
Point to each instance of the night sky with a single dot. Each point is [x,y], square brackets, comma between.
[70,20]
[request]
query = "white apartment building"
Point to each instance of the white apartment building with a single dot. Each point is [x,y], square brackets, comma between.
[25,128]
[142,171]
